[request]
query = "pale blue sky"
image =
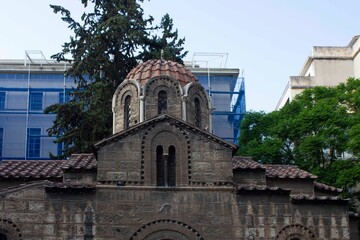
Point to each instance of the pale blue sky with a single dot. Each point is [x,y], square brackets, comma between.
[268,39]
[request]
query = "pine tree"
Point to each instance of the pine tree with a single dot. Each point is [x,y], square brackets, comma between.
[107,43]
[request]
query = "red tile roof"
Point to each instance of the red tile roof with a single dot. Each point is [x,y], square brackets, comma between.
[261,188]
[325,187]
[153,68]
[45,169]
[242,162]
[54,168]
[316,198]
[286,171]
[272,171]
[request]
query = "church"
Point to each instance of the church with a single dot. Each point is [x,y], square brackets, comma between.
[163,175]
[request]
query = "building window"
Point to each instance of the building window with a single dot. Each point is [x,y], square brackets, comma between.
[35,101]
[1,141]
[165,167]
[127,111]
[33,143]
[197,112]
[162,102]
[2,100]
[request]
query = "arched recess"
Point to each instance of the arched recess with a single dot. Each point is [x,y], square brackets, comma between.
[173,92]
[295,232]
[9,230]
[195,92]
[125,89]
[175,145]
[166,229]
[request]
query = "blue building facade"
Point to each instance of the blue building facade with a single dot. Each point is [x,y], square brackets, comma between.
[27,88]
[227,92]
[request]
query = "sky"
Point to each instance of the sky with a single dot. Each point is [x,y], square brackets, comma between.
[268,40]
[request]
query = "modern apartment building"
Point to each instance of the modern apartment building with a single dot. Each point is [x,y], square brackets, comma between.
[28,87]
[227,92]
[327,66]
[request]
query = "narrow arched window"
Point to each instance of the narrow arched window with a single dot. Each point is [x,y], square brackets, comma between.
[3,236]
[197,112]
[165,167]
[171,167]
[162,102]
[160,174]
[127,111]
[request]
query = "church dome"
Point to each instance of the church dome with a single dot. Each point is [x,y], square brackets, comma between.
[153,68]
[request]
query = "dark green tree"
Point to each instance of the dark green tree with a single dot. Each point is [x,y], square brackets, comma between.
[167,46]
[311,131]
[107,43]
[314,131]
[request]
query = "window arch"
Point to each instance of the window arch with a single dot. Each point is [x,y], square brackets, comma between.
[162,102]
[165,167]
[197,112]
[127,111]
[295,232]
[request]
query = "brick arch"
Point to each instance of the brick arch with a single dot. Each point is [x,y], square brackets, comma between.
[192,91]
[148,151]
[10,229]
[174,94]
[166,229]
[126,88]
[295,232]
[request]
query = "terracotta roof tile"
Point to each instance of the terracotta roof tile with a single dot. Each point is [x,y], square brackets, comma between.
[264,188]
[272,170]
[316,198]
[80,161]
[260,188]
[325,187]
[45,169]
[153,68]
[286,171]
[242,162]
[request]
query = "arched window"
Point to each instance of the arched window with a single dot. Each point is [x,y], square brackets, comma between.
[162,102]
[197,112]
[3,236]
[165,167]
[127,111]
[160,177]
[171,167]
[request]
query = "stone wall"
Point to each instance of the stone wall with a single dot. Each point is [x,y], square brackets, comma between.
[211,213]
[246,177]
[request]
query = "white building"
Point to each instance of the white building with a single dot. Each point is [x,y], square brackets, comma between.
[328,66]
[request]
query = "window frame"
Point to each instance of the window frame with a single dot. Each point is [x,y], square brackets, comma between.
[36,101]
[2,100]
[33,143]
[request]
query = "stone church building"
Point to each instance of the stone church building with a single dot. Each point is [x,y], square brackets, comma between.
[162,175]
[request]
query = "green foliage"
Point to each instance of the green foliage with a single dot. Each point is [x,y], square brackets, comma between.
[168,46]
[109,41]
[314,131]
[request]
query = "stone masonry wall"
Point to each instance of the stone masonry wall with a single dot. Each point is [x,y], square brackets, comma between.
[115,212]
